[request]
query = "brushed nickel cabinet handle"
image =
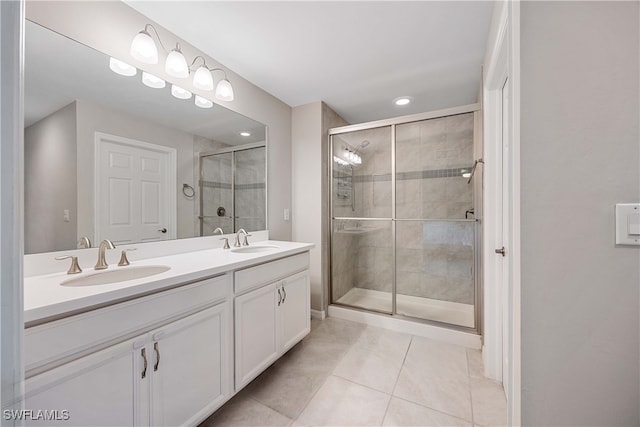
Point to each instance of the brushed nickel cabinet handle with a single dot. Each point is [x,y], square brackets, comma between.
[144,357]
[284,291]
[501,251]
[155,347]
[279,297]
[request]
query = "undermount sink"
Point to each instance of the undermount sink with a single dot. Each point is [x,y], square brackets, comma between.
[121,274]
[255,249]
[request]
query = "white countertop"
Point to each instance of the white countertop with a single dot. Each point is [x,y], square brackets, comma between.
[45,298]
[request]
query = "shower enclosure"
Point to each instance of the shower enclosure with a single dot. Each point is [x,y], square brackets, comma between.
[403,231]
[233,189]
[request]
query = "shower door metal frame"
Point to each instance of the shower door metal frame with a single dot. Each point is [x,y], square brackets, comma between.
[392,123]
[233,151]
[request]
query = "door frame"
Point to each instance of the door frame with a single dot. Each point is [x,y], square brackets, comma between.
[170,178]
[503,61]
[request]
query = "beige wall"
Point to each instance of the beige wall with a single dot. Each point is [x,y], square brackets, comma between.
[309,132]
[306,133]
[109,26]
[580,155]
[50,182]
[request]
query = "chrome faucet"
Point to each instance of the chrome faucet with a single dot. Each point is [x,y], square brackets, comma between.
[102,262]
[237,243]
[220,230]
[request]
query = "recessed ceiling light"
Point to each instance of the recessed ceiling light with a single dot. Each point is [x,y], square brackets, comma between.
[245,133]
[403,100]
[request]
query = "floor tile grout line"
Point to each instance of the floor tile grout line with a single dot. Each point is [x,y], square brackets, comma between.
[324,381]
[404,359]
[433,409]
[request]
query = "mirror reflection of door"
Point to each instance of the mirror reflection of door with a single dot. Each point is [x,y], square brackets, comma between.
[134,184]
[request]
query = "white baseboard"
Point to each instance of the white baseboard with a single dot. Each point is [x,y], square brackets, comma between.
[465,339]
[318,314]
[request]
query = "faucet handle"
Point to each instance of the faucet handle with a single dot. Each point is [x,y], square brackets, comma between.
[246,242]
[74,268]
[124,261]
[226,243]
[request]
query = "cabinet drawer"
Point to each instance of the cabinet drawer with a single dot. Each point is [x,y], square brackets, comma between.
[254,277]
[60,341]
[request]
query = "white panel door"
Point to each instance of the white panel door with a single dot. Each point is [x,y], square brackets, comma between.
[134,188]
[256,333]
[105,388]
[191,365]
[294,310]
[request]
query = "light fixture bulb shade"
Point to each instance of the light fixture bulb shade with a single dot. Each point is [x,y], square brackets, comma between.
[176,64]
[180,93]
[224,90]
[203,102]
[152,81]
[202,79]
[122,68]
[144,49]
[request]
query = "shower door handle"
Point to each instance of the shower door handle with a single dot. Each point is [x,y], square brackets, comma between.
[501,251]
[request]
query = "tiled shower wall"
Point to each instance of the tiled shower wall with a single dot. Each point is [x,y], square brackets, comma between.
[250,191]
[434,259]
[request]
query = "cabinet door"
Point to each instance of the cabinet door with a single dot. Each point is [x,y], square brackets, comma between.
[191,367]
[103,388]
[295,310]
[256,333]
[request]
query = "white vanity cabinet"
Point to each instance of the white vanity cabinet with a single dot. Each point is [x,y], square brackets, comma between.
[98,389]
[189,367]
[174,374]
[272,317]
[168,357]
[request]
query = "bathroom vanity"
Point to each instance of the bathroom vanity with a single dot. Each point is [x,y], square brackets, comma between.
[168,349]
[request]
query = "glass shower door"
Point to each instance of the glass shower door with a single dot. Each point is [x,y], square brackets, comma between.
[434,236]
[250,189]
[362,264]
[216,196]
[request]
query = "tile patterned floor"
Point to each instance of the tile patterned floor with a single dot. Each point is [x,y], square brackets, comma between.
[349,374]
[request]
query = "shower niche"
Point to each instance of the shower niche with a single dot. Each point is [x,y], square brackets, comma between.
[402,240]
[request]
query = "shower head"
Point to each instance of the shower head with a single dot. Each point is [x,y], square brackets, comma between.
[362,145]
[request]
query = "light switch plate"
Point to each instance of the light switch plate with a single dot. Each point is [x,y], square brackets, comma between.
[628,224]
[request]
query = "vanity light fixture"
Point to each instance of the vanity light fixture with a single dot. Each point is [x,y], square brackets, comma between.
[122,68]
[176,64]
[403,100]
[203,79]
[203,102]
[339,161]
[180,93]
[245,133]
[152,81]
[143,48]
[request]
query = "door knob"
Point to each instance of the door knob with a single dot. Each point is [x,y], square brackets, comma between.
[501,251]
[163,230]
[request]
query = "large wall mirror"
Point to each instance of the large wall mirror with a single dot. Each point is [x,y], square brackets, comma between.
[107,156]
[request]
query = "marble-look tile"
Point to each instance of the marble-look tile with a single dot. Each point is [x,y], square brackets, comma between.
[342,403]
[375,359]
[286,388]
[404,413]
[435,375]
[489,402]
[244,411]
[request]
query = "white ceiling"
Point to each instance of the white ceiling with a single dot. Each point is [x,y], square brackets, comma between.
[355,56]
